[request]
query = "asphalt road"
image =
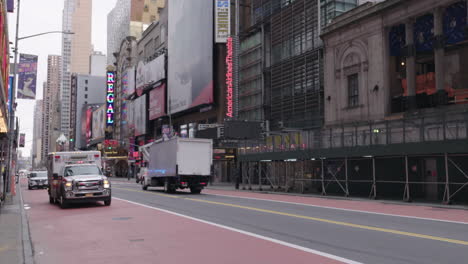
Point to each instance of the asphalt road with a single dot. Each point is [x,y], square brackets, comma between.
[356,236]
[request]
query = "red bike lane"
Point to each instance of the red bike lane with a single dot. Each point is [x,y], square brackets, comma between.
[129,233]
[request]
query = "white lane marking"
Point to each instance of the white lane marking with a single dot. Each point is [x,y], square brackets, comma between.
[348,210]
[308,250]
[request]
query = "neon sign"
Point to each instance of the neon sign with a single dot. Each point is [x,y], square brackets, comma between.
[229,80]
[110,98]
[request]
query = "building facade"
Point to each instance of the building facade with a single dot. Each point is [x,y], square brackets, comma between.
[85,90]
[281,62]
[129,18]
[76,50]
[395,109]
[51,106]
[97,64]
[4,94]
[37,135]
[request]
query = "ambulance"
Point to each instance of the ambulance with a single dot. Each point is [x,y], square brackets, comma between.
[77,177]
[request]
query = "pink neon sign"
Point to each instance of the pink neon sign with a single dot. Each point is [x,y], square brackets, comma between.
[229,80]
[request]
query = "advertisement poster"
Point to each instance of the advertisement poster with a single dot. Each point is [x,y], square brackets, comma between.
[99,123]
[140,115]
[27,76]
[22,140]
[222,20]
[190,65]
[89,120]
[157,102]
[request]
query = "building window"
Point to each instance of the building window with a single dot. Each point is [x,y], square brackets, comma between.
[353,90]
[86,89]
[86,96]
[86,81]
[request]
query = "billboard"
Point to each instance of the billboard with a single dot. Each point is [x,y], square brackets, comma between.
[222,20]
[27,76]
[89,120]
[11,6]
[150,73]
[139,115]
[99,123]
[110,98]
[155,70]
[157,102]
[130,114]
[190,65]
[22,140]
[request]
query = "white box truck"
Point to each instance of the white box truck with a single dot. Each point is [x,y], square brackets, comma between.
[179,163]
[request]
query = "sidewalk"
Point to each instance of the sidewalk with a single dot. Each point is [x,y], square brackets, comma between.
[15,243]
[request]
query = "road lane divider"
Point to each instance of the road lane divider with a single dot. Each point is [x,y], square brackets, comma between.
[316,219]
[273,240]
[343,209]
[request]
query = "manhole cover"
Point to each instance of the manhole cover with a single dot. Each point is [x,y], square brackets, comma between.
[121,218]
[136,240]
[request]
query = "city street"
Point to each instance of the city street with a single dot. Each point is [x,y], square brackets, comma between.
[227,226]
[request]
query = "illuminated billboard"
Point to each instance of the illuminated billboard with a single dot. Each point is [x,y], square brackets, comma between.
[190,54]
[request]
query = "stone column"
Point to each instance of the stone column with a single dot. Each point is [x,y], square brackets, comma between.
[439,56]
[410,65]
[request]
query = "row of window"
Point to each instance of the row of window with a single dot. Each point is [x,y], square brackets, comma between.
[253,115]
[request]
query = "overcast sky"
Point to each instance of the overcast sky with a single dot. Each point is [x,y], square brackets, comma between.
[41,16]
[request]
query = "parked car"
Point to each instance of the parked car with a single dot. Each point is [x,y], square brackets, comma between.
[37,179]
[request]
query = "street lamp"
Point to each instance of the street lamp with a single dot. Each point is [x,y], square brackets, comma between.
[11,117]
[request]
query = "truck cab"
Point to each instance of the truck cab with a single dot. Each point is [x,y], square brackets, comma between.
[77,177]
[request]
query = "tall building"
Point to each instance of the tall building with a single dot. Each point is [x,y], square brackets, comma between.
[85,90]
[37,135]
[97,64]
[76,50]
[51,105]
[281,62]
[129,18]
[45,120]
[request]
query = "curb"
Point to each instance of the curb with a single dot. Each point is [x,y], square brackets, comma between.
[28,250]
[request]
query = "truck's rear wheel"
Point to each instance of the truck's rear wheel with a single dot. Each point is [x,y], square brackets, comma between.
[195,190]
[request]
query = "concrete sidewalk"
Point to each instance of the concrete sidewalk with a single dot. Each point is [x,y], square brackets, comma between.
[15,242]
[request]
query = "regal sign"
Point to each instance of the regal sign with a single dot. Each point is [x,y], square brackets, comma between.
[110,98]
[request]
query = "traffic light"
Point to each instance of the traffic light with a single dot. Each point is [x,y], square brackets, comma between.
[71,139]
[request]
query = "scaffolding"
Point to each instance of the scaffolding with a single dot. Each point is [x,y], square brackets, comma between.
[421,157]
